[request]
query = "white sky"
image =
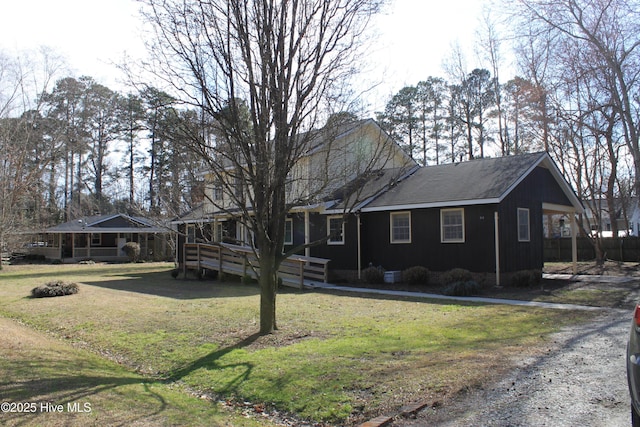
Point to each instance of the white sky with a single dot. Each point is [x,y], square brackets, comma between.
[415,36]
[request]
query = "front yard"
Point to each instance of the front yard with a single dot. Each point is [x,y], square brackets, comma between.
[138,345]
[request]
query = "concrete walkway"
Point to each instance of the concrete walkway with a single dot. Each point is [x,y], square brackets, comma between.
[422,295]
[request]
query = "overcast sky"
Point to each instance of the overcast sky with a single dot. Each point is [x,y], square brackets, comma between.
[415,35]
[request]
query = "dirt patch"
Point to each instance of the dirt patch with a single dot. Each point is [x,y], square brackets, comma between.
[609,268]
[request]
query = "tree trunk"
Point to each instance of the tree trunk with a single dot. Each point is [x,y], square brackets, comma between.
[268,290]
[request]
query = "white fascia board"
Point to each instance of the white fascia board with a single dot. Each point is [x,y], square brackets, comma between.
[447,204]
[546,161]
[568,191]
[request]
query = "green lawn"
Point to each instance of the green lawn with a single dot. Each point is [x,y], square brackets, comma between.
[336,358]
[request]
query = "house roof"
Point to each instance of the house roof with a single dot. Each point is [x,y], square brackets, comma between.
[473,182]
[116,223]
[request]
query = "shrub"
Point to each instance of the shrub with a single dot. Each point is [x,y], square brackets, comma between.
[526,278]
[54,289]
[455,275]
[247,280]
[373,275]
[175,272]
[417,275]
[132,250]
[462,289]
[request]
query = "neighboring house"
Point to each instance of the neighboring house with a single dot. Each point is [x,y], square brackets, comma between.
[101,238]
[598,217]
[484,215]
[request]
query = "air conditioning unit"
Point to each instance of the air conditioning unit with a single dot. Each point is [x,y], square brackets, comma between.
[392,276]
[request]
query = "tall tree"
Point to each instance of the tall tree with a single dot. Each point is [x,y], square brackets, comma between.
[476,97]
[288,60]
[160,122]
[430,97]
[132,123]
[102,118]
[401,118]
[25,147]
[65,107]
[603,34]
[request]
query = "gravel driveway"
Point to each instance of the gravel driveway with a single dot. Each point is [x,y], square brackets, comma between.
[579,381]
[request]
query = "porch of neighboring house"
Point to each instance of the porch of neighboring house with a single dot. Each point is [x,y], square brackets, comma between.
[74,247]
[101,238]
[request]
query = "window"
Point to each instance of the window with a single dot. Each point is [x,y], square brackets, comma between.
[523,225]
[96,239]
[335,225]
[400,227]
[219,232]
[288,231]
[217,191]
[452,225]
[191,233]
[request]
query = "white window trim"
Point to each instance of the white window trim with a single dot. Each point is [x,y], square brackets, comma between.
[191,233]
[399,241]
[290,241]
[334,242]
[442,239]
[528,238]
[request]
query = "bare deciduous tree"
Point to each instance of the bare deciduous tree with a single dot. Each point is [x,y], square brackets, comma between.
[265,72]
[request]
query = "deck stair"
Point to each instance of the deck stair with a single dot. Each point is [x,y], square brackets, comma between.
[295,271]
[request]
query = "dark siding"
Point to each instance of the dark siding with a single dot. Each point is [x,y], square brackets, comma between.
[298,232]
[537,188]
[426,249]
[343,257]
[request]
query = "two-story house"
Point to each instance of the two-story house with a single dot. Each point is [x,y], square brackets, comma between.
[365,202]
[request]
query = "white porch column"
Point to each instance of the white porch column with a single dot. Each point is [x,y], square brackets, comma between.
[307,233]
[359,248]
[574,243]
[497,244]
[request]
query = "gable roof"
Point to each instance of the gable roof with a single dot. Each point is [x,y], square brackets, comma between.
[481,181]
[116,223]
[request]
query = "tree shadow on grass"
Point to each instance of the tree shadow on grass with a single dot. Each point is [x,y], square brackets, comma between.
[73,391]
[50,377]
[161,284]
[211,362]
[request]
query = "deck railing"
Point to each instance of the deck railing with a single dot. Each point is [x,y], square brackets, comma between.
[242,261]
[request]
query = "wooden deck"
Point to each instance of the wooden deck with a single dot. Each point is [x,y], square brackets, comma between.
[295,271]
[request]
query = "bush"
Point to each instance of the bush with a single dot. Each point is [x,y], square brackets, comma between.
[54,289]
[175,272]
[248,280]
[132,250]
[456,275]
[373,275]
[462,289]
[526,278]
[417,275]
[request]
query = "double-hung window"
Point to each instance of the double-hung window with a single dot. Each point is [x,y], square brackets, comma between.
[288,231]
[452,225]
[524,230]
[191,233]
[335,226]
[400,227]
